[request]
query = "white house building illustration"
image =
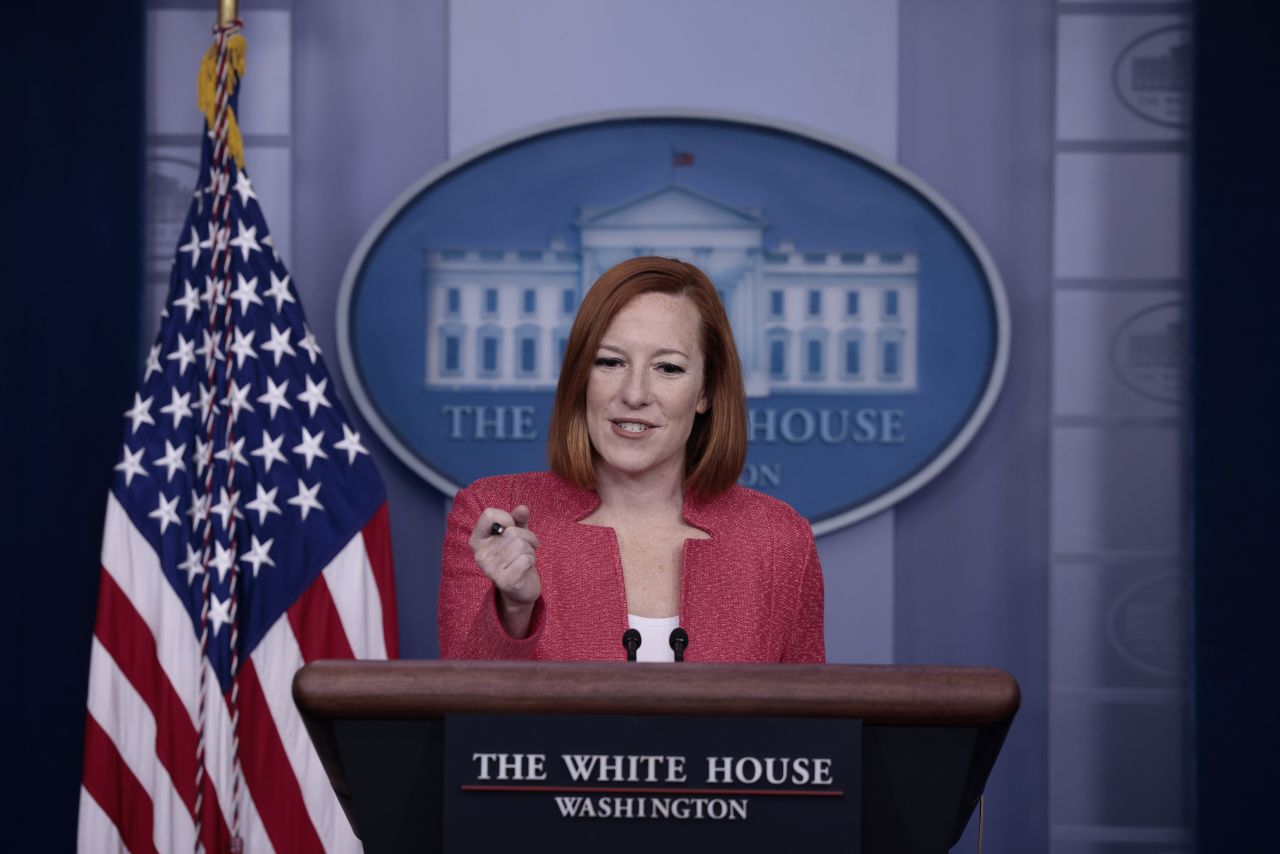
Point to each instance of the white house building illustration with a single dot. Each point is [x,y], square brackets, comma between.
[805,321]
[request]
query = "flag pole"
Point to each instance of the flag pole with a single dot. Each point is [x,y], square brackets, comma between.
[228,11]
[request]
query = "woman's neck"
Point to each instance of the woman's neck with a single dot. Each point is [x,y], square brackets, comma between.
[657,496]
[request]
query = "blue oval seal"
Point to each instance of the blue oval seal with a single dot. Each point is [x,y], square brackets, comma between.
[872,324]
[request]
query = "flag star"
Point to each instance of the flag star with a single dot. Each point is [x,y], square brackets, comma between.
[242,345]
[184,353]
[305,500]
[140,412]
[310,447]
[280,345]
[226,506]
[274,396]
[258,555]
[268,242]
[207,243]
[309,344]
[131,464]
[246,292]
[238,398]
[153,363]
[222,560]
[193,247]
[219,612]
[314,397]
[192,566]
[213,294]
[265,504]
[246,240]
[201,455]
[209,349]
[218,180]
[179,406]
[270,450]
[233,453]
[243,188]
[172,459]
[205,403]
[166,513]
[190,300]
[199,508]
[350,443]
[280,290]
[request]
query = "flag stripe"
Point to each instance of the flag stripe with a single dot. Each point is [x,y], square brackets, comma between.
[317,626]
[95,831]
[377,545]
[218,765]
[277,659]
[268,773]
[135,567]
[354,592]
[115,788]
[121,715]
[127,639]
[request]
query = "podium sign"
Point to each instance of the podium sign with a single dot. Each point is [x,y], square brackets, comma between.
[649,783]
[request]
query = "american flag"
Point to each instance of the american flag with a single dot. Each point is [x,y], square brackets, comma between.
[246,534]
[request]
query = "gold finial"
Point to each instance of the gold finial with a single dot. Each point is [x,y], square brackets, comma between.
[228,11]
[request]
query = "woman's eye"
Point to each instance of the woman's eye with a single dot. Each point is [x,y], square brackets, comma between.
[668,368]
[608,362]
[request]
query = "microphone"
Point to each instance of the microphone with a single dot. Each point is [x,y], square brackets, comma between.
[631,640]
[679,640]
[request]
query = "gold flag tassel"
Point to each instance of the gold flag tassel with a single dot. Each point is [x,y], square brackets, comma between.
[207,89]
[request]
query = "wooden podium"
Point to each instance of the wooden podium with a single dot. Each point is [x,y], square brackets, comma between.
[930,735]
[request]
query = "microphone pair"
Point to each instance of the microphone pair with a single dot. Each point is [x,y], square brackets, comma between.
[678,640]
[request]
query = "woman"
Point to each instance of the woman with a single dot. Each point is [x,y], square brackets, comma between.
[640,523]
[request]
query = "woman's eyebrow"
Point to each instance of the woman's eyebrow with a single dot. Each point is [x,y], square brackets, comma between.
[665,351]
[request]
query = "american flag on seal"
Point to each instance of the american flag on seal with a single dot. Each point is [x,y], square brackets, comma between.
[246,534]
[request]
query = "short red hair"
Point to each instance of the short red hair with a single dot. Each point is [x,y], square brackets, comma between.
[717,446]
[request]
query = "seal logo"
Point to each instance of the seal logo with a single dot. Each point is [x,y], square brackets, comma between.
[872,325]
[1147,352]
[1152,76]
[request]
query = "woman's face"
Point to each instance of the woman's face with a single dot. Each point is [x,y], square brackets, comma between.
[646,386]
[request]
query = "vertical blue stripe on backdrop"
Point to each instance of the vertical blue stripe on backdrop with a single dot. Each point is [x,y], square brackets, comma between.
[73,261]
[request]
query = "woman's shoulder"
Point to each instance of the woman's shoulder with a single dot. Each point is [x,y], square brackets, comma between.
[740,505]
[539,490]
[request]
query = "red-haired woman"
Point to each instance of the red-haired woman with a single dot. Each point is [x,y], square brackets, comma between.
[640,523]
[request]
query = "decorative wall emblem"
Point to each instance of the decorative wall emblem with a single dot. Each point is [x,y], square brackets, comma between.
[1148,350]
[1152,76]
[871,323]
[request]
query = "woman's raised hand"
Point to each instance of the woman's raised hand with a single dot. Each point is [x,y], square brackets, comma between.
[507,558]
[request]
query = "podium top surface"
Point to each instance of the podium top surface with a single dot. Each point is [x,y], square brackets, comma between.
[877,694]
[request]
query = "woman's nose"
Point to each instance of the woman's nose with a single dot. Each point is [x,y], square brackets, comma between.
[635,391]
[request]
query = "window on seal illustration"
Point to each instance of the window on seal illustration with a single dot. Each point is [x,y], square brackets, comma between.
[815,303]
[777,307]
[453,302]
[526,351]
[451,335]
[891,305]
[891,356]
[568,302]
[561,337]
[779,342]
[529,301]
[851,303]
[813,354]
[851,355]
[488,351]
[490,301]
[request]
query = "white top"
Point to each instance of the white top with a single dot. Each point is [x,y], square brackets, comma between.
[655,637]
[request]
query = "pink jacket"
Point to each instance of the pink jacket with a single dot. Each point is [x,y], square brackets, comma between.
[751,593]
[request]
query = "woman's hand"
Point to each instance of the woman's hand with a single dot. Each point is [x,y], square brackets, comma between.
[508,561]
